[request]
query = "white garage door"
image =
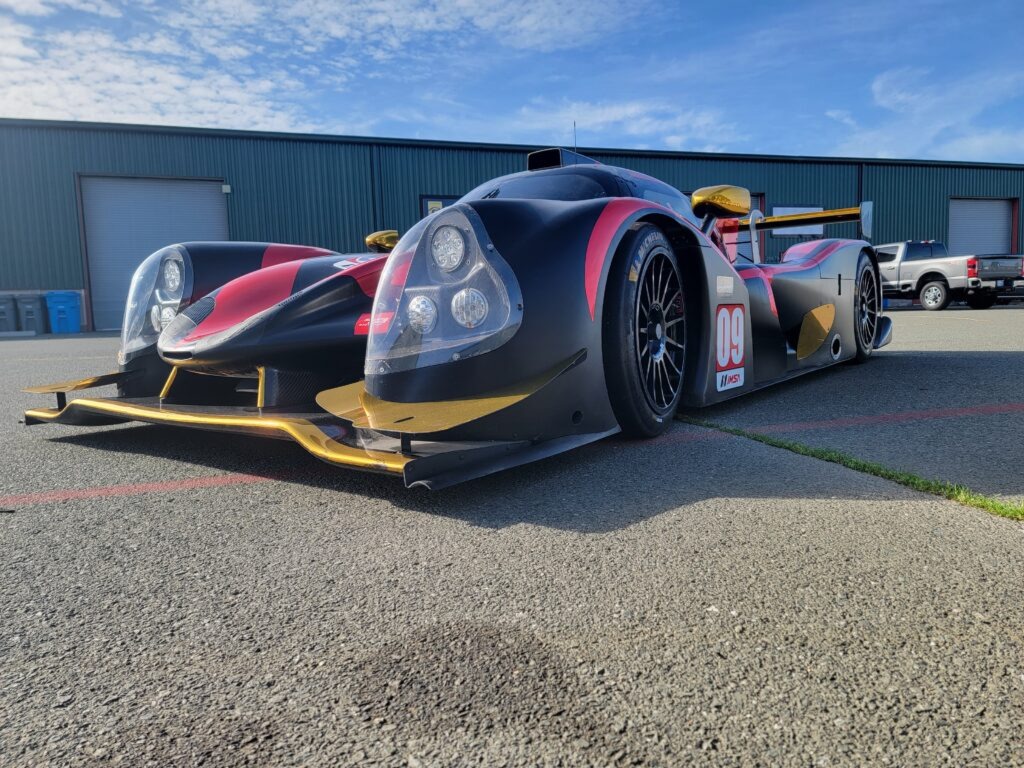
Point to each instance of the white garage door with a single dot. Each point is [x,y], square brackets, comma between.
[979,226]
[128,219]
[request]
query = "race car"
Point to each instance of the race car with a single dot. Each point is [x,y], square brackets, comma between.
[545,310]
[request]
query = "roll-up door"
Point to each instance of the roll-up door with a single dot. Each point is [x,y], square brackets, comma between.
[979,226]
[128,219]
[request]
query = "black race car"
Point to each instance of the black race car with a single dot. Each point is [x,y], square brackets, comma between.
[544,310]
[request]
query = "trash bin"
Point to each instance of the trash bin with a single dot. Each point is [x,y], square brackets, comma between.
[31,312]
[8,314]
[65,308]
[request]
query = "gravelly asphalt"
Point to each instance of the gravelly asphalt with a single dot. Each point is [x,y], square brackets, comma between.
[956,359]
[700,599]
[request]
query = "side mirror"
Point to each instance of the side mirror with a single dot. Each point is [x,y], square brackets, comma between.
[720,200]
[383,241]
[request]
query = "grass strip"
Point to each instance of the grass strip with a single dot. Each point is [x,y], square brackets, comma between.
[954,492]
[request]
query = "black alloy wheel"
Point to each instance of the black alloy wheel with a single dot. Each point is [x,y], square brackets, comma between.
[644,332]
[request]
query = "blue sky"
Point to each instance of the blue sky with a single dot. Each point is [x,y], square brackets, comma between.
[917,78]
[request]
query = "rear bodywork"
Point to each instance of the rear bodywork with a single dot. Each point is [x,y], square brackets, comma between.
[281,350]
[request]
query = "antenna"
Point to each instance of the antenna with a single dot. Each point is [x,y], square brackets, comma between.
[574,140]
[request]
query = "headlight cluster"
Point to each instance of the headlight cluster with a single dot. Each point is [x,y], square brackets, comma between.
[447,247]
[445,294]
[156,295]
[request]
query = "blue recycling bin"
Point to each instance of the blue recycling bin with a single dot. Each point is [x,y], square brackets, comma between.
[65,310]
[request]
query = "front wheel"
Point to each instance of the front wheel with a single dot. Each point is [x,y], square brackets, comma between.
[935,296]
[981,300]
[644,333]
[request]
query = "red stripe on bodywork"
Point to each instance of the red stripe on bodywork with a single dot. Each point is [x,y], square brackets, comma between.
[279,254]
[612,217]
[799,251]
[244,296]
[367,275]
[616,213]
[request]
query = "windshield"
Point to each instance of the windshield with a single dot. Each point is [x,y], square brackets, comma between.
[544,186]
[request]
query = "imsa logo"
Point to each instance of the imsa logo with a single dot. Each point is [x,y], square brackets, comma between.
[730,379]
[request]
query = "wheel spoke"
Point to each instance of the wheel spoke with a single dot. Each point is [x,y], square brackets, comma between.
[661,357]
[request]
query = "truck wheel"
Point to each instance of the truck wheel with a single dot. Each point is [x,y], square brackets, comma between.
[644,333]
[866,308]
[981,300]
[935,296]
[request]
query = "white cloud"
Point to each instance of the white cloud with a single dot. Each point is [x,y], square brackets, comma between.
[47,7]
[246,63]
[923,116]
[90,76]
[650,121]
[1001,145]
[842,116]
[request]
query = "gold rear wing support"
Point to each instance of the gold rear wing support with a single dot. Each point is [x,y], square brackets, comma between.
[758,222]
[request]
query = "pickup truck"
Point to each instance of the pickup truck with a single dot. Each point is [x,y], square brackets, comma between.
[924,270]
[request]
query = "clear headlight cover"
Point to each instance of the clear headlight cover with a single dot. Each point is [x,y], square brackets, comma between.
[481,284]
[154,298]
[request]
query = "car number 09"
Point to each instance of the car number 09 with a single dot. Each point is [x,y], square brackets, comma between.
[730,328]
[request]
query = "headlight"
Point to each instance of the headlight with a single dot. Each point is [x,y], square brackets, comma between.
[448,247]
[445,294]
[159,287]
[422,314]
[469,307]
[172,276]
[161,317]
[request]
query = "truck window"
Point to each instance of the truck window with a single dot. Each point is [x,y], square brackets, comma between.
[939,250]
[886,254]
[918,252]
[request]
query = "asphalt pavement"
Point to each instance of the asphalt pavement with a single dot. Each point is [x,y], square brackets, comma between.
[178,598]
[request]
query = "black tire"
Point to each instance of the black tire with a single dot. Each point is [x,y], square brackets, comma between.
[867,308]
[981,300]
[644,333]
[935,296]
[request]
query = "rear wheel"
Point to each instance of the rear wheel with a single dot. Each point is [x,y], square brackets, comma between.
[981,300]
[644,333]
[866,308]
[935,296]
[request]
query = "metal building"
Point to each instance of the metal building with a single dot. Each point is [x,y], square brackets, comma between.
[82,203]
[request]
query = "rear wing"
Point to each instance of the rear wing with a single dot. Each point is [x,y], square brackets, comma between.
[758,222]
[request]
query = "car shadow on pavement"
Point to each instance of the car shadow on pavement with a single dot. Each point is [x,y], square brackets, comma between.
[602,487]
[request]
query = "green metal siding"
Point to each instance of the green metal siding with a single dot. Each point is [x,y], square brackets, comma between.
[304,192]
[407,172]
[332,191]
[912,203]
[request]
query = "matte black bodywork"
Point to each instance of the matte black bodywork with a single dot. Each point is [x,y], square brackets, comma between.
[561,252]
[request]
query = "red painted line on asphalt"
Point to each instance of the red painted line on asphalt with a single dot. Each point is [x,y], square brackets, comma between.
[991,409]
[187,484]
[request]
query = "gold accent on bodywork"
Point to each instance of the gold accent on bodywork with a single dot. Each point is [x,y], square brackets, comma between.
[383,241]
[261,386]
[301,431]
[814,329]
[721,200]
[353,403]
[169,383]
[114,377]
[836,216]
